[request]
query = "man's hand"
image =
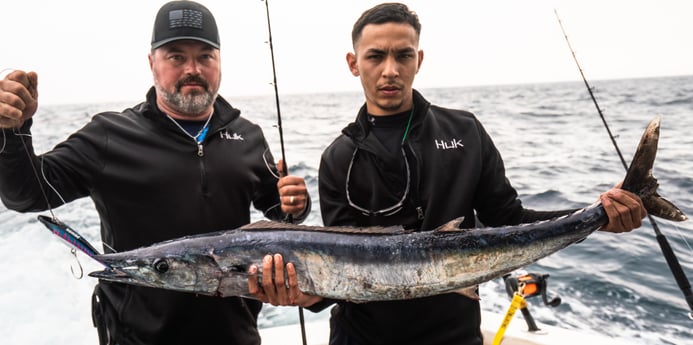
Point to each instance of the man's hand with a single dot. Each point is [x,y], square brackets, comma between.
[293,193]
[624,209]
[278,289]
[18,98]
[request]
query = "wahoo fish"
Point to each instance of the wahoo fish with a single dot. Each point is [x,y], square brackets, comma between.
[374,263]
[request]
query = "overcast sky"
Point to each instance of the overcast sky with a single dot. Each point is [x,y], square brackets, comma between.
[96,51]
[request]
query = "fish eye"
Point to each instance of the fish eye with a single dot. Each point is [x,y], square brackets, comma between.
[160,265]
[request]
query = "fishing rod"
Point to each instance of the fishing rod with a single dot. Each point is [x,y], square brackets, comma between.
[276,90]
[668,252]
[285,170]
[289,218]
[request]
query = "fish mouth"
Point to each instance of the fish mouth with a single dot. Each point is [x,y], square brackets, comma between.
[118,268]
[124,275]
[112,274]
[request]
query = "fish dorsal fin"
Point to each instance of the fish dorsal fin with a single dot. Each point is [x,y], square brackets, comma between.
[272,225]
[453,225]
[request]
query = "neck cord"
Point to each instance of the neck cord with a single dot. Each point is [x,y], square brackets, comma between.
[200,135]
[406,131]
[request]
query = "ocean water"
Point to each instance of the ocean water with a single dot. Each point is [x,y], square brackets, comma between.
[557,154]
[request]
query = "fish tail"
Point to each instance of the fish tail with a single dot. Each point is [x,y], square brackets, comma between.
[639,178]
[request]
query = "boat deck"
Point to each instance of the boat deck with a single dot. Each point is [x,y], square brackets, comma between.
[317,333]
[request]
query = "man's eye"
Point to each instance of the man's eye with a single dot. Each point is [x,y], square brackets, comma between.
[177,58]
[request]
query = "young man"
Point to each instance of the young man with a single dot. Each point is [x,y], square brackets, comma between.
[183,162]
[407,162]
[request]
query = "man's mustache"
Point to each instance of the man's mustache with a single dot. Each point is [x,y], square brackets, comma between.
[192,80]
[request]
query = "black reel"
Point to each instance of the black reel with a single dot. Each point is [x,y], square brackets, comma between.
[533,285]
[530,285]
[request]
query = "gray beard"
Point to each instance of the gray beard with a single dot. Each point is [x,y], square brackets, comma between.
[191,105]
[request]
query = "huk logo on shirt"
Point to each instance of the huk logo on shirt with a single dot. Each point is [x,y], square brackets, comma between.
[226,136]
[449,144]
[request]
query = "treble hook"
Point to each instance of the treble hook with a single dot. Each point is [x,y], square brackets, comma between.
[81,271]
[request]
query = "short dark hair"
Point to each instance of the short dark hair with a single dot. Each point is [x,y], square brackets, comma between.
[389,12]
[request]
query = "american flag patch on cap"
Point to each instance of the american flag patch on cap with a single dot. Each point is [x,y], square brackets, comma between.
[185,18]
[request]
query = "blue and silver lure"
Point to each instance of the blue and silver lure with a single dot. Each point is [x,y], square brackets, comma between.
[70,237]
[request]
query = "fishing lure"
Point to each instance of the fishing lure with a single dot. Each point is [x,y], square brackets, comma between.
[71,238]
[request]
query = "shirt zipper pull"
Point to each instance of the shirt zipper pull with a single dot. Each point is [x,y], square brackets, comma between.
[199,139]
[200,150]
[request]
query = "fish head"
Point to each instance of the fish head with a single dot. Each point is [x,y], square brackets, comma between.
[195,273]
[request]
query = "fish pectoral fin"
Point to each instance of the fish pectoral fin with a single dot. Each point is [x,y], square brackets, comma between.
[453,225]
[469,292]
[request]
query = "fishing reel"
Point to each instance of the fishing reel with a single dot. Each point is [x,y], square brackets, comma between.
[526,286]
[530,285]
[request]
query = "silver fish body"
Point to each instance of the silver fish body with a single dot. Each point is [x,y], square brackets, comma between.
[373,264]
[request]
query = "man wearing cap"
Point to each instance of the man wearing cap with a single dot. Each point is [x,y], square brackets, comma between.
[183,162]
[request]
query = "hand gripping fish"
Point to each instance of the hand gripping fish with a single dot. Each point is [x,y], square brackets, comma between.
[374,264]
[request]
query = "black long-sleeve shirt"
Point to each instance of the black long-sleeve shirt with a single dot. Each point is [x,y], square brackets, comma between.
[454,170]
[149,184]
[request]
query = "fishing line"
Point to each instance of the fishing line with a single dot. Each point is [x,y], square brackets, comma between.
[26,150]
[8,69]
[678,231]
[267,164]
[289,218]
[55,225]
[4,138]
[45,196]
[668,252]
[36,174]
[4,141]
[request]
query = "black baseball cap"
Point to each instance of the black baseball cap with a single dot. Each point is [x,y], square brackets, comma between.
[184,20]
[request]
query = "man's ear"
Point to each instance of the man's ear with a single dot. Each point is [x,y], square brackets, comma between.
[151,60]
[421,56]
[351,62]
